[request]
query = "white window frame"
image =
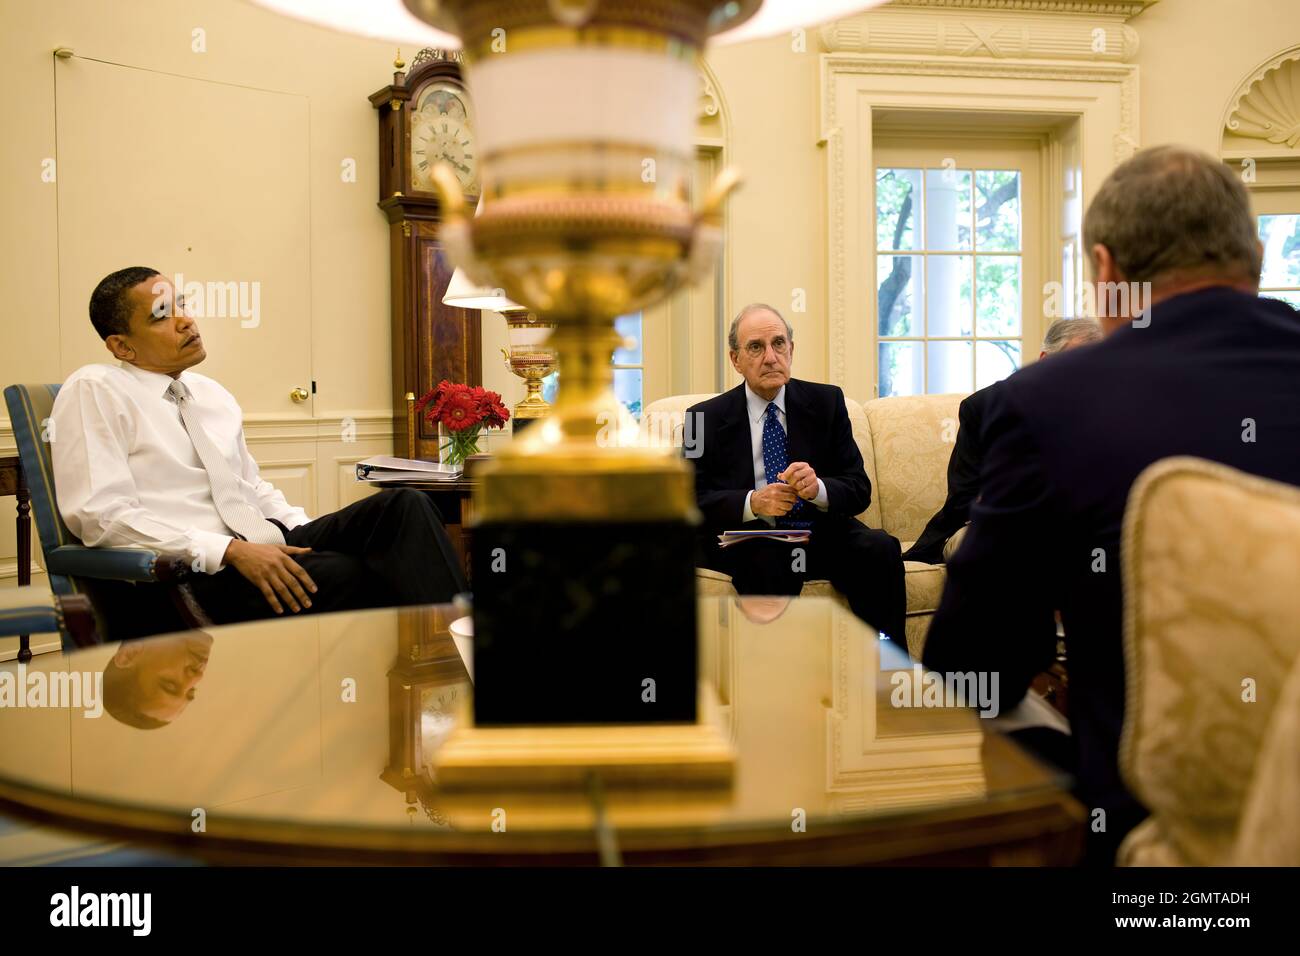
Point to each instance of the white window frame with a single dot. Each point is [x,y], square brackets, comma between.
[1099,99]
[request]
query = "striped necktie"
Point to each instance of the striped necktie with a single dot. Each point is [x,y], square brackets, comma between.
[240,516]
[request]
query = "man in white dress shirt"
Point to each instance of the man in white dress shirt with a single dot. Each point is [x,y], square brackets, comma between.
[148,453]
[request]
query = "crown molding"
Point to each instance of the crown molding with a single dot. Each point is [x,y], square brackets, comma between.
[982,32]
[1124,9]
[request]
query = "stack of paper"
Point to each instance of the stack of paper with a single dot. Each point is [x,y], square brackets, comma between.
[792,535]
[383,468]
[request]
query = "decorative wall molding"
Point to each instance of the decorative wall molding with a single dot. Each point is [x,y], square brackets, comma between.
[285,472]
[364,426]
[9,568]
[347,489]
[948,33]
[708,96]
[262,429]
[1266,105]
[1124,9]
[865,769]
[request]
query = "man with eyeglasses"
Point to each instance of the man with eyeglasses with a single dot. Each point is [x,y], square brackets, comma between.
[778,452]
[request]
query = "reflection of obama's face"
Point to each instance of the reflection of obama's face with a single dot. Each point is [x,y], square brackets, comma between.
[762,610]
[149,683]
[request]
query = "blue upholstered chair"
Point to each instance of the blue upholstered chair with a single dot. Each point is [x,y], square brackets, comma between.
[27,610]
[74,568]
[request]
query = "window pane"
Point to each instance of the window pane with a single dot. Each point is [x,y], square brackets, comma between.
[627,386]
[947,295]
[994,361]
[900,371]
[947,210]
[997,295]
[898,198]
[1281,238]
[997,210]
[949,367]
[550,387]
[899,294]
[628,326]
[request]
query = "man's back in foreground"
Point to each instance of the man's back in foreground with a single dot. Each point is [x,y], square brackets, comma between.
[1209,370]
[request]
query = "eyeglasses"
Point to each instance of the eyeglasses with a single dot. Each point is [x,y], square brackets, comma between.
[756,349]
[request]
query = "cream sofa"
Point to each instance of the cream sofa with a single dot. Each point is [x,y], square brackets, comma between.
[905,445]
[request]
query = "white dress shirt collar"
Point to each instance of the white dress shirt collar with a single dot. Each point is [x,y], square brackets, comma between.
[758,406]
[162,380]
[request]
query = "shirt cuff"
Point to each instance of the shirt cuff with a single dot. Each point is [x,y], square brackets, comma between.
[207,550]
[823,500]
[748,513]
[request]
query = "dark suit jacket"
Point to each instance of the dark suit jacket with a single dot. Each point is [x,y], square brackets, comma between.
[963,479]
[817,431]
[1064,444]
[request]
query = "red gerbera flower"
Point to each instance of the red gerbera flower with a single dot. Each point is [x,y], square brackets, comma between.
[459,412]
[463,407]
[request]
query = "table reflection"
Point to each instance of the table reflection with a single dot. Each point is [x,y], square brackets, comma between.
[329,723]
[149,684]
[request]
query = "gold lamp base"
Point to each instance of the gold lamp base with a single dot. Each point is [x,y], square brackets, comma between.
[659,756]
[530,357]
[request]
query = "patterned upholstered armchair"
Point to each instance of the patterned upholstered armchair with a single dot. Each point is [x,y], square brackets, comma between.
[72,567]
[905,445]
[1211,559]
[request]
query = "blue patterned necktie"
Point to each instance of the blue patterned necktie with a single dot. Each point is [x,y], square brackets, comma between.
[776,458]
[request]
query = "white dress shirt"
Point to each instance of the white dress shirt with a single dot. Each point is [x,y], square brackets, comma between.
[757,408]
[126,473]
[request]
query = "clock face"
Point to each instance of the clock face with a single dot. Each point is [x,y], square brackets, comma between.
[440,132]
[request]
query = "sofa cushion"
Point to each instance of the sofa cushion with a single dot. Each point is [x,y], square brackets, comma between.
[912,437]
[924,586]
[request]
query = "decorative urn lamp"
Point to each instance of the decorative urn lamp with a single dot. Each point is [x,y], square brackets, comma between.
[530,355]
[583,555]
[584,217]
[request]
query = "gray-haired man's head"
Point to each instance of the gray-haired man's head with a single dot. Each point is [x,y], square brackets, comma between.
[1067,333]
[1175,218]
[761,344]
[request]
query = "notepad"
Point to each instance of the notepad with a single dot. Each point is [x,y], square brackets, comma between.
[386,468]
[788,535]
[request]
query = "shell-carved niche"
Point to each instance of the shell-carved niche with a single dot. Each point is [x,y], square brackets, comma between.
[1267,105]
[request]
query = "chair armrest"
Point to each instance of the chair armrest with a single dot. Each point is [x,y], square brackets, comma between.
[27,610]
[117,564]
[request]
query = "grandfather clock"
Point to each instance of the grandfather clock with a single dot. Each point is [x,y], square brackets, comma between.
[424,118]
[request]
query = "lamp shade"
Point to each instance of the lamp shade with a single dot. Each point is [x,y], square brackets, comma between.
[464,294]
[392,20]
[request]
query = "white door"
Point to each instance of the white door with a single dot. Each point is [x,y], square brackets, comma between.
[208,180]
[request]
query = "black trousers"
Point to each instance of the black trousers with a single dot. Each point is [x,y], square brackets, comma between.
[863,564]
[387,549]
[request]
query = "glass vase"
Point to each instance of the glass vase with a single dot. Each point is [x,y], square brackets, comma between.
[455,446]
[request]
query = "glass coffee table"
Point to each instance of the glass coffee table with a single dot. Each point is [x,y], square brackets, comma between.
[311,740]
